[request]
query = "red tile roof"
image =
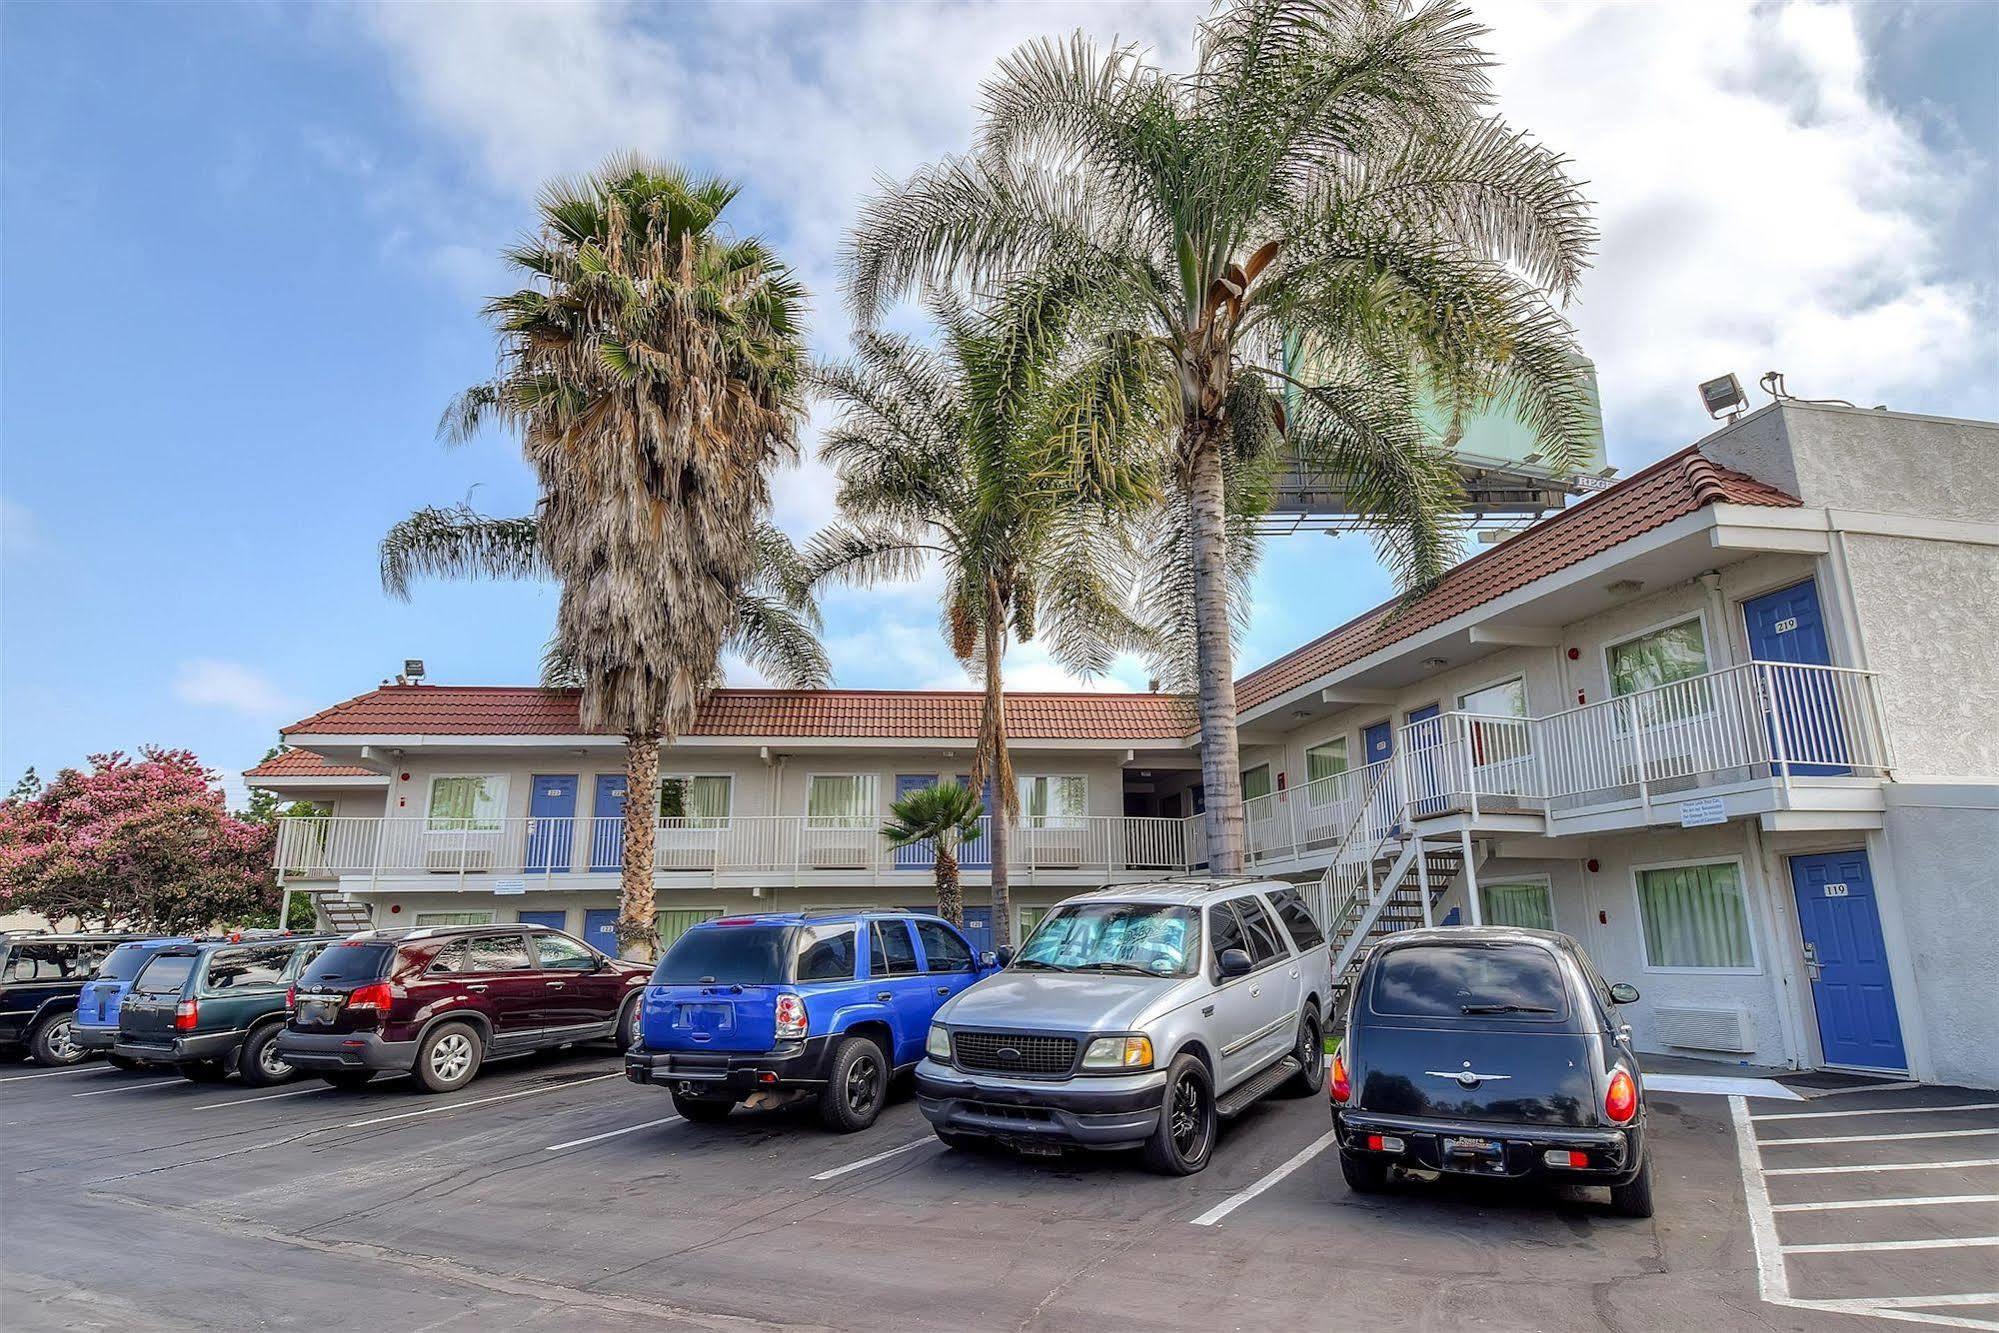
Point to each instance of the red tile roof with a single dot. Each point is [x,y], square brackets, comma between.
[306,764]
[1671,488]
[459,710]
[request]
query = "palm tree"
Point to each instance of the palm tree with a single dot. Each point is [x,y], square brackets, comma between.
[968,453]
[945,816]
[651,365]
[1328,177]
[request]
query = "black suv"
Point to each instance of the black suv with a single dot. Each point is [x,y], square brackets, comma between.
[40,976]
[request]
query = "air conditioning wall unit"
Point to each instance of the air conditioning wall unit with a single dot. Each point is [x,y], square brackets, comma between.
[1703,1029]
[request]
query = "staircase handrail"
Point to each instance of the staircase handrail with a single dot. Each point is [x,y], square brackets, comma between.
[1345,875]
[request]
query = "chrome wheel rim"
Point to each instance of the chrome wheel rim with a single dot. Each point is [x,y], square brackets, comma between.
[271,1063]
[62,1041]
[862,1077]
[452,1055]
[1188,1118]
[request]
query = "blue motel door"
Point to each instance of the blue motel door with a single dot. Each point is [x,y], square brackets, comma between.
[1847,961]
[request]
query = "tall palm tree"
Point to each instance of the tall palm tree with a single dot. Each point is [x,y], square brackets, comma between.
[651,366]
[947,817]
[1329,175]
[1019,467]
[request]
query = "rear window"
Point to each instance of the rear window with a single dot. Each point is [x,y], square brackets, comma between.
[1469,981]
[125,962]
[825,953]
[1297,918]
[346,963]
[732,955]
[165,975]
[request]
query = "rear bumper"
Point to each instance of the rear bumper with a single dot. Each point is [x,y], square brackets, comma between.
[345,1050]
[97,1037]
[1112,1112]
[791,1064]
[1615,1154]
[178,1050]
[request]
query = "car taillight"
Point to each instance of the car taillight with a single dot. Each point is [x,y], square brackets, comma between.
[374,995]
[291,997]
[186,1014]
[1620,1103]
[790,1016]
[1338,1084]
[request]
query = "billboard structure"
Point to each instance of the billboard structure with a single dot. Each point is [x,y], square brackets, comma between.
[1498,457]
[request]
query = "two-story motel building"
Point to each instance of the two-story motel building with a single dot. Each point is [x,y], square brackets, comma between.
[1733,723]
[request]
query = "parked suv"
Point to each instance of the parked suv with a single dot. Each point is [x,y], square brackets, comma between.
[97,1004]
[439,1002]
[764,1009]
[211,1008]
[1135,1017]
[40,976]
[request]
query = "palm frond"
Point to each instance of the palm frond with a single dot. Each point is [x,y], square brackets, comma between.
[460,543]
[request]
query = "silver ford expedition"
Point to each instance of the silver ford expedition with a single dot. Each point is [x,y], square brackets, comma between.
[1135,1017]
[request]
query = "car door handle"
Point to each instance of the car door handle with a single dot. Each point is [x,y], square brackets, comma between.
[943,990]
[1294,974]
[884,996]
[1255,991]
[1207,1011]
[555,983]
[475,985]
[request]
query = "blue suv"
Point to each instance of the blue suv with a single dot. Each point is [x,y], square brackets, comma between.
[778,1008]
[97,1004]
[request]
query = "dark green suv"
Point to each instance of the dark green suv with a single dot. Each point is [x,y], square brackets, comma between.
[211,1009]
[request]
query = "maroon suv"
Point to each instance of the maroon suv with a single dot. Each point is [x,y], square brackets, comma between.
[437,1002]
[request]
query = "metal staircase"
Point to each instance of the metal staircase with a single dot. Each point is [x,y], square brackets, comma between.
[341,913]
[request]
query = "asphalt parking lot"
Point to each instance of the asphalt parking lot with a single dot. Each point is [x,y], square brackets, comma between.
[551,1188]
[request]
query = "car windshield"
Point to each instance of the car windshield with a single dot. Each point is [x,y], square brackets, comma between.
[347,962]
[1149,939]
[125,962]
[729,955]
[1469,980]
[165,975]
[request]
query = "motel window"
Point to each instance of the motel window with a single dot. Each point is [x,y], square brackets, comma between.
[1695,916]
[1325,760]
[1030,921]
[1494,742]
[843,800]
[1506,699]
[454,918]
[474,802]
[696,801]
[1058,801]
[1256,782]
[1528,906]
[1658,658]
[675,922]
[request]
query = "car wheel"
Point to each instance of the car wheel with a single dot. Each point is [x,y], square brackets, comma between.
[856,1086]
[1635,1199]
[54,1042]
[349,1080]
[1365,1175]
[1186,1133]
[447,1059]
[205,1071]
[628,1025]
[1311,1056]
[125,1062]
[703,1110]
[260,1064]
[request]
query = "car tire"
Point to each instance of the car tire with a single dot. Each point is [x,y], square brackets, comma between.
[703,1110]
[1188,1122]
[628,1025]
[1364,1175]
[1310,1053]
[53,1042]
[1634,1199]
[349,1080]
[125,1062]
[260,1064]
[856,1086]
[447,1057]
[205,1071]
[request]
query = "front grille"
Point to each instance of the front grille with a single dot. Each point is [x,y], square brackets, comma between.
[1015,1053]
[1025,1115]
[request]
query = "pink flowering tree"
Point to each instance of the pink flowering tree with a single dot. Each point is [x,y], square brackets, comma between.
[140,844]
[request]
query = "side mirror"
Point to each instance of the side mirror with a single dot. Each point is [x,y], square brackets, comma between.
[1002,956]
[1624,993]
[989,959]
[1233,963]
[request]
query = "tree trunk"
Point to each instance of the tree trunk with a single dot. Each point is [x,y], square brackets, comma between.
[950,898]
[991,763]
[638,933]
[1221,769]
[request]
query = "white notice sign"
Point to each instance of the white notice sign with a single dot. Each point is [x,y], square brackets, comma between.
[1706,810]
[510,886]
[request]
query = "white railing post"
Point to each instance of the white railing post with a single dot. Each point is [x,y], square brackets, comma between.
[1423,880]
[1471,879]
[1778,740]
[1638,754]
[1471,768]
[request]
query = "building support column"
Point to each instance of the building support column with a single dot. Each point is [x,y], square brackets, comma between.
[1473,906]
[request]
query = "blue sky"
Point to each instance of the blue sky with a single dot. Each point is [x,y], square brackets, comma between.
[244,247]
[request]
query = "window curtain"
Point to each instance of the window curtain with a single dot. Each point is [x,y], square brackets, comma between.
[1659,658]
[1522,905]
[839,802]
[1695,916]
[673,923]
[465,803]
[701,802]
[1256,782]
[1054,802]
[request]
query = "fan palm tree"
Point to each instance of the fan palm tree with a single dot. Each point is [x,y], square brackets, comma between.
[945,816]
[651,365]
[1328,182]
[1021,475]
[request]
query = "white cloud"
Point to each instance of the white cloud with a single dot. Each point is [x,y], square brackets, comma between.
[210,682]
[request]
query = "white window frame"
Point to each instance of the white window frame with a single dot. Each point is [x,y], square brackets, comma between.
[501,794]
[870,795]
[487,914]
[1065,821]
[1749,914]
[1547,886]
[703,824]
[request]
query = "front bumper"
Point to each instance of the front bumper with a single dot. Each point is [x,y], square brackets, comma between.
[163,1050]
[1113,1111]
[1615,1154]
[94,1038]
[344,1050]
[789,1064]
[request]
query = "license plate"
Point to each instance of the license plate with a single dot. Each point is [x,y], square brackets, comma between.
[317,1011]
[1470,1147]
[708,1017]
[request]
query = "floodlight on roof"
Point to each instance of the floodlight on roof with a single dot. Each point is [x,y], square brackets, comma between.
[1724,394]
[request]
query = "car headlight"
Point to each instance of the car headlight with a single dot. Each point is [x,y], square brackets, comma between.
[1119,1053]
[938,1044]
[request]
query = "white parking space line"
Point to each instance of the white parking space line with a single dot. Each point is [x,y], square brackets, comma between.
[1834,1205]
[57,1073]
[1241,1197]
[1772,1282]
[295,1092]
[612,1134]
[870,1161]
[480,1101]
[1871,1167]
[1880,1138]
[130,1087]
[1864,1246]
[1875,1110]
